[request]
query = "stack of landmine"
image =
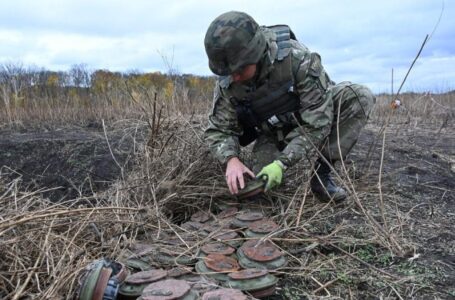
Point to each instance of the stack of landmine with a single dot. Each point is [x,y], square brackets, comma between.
[230,249]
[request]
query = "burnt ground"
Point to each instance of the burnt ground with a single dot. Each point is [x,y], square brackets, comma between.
[67,163]
[418,183]
[419,177]
[418,186]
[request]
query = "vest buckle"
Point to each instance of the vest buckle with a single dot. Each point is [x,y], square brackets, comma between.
[273,120]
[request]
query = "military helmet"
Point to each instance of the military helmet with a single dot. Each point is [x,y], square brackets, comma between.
[233,40]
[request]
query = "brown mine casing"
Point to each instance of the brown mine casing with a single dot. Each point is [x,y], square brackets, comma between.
[201,217]
[252,188]
[263,226]
[227,213]
[245,218]
[217,248]
[178,271]
[227,236]
[101,284]
[224,294]
[169,289]
[257,282]
[264,292]
[261,251]
[221,263]
[146,276]
[250,216]
[248,274]
[135,284]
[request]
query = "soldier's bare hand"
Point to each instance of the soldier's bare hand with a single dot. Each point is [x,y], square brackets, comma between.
[234,175]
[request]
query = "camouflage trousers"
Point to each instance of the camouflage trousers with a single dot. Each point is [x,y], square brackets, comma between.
[352,106]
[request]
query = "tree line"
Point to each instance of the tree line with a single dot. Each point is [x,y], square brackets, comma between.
[25,88]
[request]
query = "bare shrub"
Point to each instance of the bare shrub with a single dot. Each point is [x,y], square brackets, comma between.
[36,97]
[423,108]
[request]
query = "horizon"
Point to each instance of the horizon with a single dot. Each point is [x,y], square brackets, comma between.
[90,72]
[359,42]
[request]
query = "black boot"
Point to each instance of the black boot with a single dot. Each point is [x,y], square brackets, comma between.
[323,186]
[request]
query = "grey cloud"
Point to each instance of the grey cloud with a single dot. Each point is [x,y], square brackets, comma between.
[358,40]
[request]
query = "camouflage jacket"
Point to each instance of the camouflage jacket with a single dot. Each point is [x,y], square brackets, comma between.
[311,84]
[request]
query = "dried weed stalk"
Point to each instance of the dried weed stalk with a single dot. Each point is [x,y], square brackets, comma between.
[45,245]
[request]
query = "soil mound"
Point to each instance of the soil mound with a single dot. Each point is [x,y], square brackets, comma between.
[65,163]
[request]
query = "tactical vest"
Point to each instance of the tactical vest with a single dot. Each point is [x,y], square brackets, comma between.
[270,103]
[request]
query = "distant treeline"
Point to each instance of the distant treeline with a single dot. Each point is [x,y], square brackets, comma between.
[17,80]
[31,96]
[29,88]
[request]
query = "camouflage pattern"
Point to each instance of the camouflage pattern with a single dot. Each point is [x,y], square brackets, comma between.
[352,106]
[320,100]
[355,102]
[233,41]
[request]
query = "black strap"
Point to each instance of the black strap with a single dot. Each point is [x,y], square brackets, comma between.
[247,120]
[246,115]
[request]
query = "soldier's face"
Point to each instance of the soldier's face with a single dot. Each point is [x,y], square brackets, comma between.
[244,74]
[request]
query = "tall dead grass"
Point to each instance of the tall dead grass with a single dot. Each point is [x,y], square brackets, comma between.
[60,106]
[416,108]
[44,245]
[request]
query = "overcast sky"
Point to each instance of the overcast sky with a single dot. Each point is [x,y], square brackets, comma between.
[360,41]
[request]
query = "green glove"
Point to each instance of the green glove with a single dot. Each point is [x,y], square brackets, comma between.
[273,174]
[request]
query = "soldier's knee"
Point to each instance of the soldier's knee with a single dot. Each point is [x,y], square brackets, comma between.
[365,97]
[356,98]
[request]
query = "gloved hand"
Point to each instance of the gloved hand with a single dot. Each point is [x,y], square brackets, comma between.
[273,173]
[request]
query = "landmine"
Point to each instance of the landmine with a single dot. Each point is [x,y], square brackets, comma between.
[101,280]
[169,289]
[212,227]
[226,204]
[160,256]
[224,294]
[252,188]
[259,283]
[138,264]
[201,224]
[261,228]
[168,257]
[199,283]
[135,283]
[216,248]
[217,266]
[227,213]
[217,257]
[192,226]
[229,237]
[184,239]
[201,217]
[261,255]
[246,217]
[196,281]
[226,216]
[178,272]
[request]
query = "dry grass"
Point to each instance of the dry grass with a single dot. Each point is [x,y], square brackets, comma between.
[423,108]
[334,252]
[60,106]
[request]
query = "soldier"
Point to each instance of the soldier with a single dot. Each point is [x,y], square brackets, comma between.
[274,91]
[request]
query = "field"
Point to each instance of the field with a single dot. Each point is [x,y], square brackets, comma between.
[78,183]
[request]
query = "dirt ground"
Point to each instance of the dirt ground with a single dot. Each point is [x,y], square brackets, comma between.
[419,172]
[67,163]
[417,184]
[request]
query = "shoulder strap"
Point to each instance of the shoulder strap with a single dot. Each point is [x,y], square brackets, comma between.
[283,39]
[224,81]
